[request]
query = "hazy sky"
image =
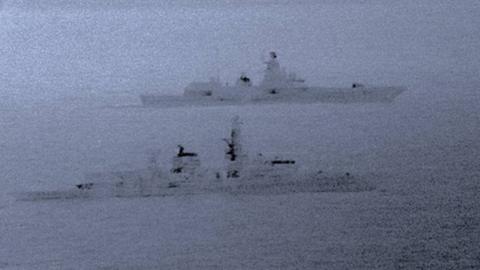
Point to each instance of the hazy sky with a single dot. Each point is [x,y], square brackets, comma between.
[56,48]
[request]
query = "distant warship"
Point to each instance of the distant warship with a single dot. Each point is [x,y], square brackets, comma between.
[277,86]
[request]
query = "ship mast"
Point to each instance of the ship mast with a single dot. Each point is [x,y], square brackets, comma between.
[234,152]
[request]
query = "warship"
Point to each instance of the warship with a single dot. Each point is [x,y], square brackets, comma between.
[242,174]
[277,86]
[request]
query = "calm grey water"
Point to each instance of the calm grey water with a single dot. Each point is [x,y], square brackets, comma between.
[423,213]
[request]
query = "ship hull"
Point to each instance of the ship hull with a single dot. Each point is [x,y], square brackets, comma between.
[271,96]
[144,183]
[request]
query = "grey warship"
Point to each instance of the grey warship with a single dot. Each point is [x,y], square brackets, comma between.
[277,86]
[243,174]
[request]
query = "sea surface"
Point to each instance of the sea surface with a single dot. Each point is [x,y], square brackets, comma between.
[422,161]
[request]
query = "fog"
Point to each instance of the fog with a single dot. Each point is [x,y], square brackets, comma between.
[54,49]
[71,74]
